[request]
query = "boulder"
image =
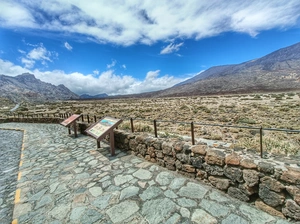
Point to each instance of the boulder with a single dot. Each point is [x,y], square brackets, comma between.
[238,193]
[270,197]
[234,173]
[272,184]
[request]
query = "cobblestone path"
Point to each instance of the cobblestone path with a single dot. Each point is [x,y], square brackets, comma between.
[10,149]
[67,180]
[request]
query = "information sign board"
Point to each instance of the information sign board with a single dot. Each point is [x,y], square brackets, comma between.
[70,120]
[103,127]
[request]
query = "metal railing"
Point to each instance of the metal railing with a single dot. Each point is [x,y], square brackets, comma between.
[93,118]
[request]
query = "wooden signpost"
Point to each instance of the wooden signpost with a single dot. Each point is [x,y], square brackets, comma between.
[71,121]
[103,128]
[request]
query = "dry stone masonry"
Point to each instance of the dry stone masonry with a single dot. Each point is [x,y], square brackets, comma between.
[272,184]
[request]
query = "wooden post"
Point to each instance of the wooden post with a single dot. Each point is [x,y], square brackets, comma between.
[112,142]
[155,128]
[192,131]
[88,118]
[98,144]
[75,129]
[260,141]
[82,119]
[95,118]
[69,129]
[131,123]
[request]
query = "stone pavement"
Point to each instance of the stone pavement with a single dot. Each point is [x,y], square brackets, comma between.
[67,180]
[9,168]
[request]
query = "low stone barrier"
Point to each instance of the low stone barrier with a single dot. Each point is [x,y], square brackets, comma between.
[273,184]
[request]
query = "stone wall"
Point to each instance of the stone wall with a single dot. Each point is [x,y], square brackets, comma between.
[47,120]
[272,184]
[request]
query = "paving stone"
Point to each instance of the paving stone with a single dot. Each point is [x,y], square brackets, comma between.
[185,212]
[120,179]
[96,191]
[102,202]
[200,216]
[234,219]
[129,192]
[185,202]
[175,218]
[170,194]
[90,216]
[77,212]
[214,208]
[164,178]
[216,196]
[157,210]
[177,183]
[46,199]
[193,190]
[150,192]
[142,174]
[122,211]
[255,215]
[60,211]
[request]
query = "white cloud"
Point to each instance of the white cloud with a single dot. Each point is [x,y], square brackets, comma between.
[68,46]
[107,81]
[124,66]
[38,53]
[137,21]
[171,48]
[113,63]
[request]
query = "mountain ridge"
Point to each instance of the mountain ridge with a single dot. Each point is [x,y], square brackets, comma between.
[27,87]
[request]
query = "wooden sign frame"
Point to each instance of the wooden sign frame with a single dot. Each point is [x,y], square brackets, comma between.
[103,128]
[71,121]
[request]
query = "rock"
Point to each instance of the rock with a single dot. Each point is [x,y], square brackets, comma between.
[170,166]
[234,219]
[248,190]
[251,177]
[183,158]
[248,163]
[170,160]
[167,148]
[157,144]
[255,215]
[294,192]
[213,170]
[266,208]
[151,152]
[201,174]
[141,148]
[233,159]
[270,197]
[188,168]
[199,149]
[185,202]
[215,208]
[159,154]
[235,174]
[178,164]
[220,183]
[292,176]
[129,192]
[178,146]
[121,179]
[150,193]
[272,184]
[177,183]
[291,209]
[215,157]
[237,193]
[96,191]
[197,162]
[132,144]
[266,167]
[186,148]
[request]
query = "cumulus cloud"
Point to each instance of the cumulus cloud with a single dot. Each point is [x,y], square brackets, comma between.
[106,82]
[171,48]
[144,22]
[96,72]
[38,53]
[68,46]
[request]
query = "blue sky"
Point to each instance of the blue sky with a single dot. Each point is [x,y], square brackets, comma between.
[124,47]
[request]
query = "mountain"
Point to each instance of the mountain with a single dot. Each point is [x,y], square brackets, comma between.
[27,87]
[277,71]
[98,96]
